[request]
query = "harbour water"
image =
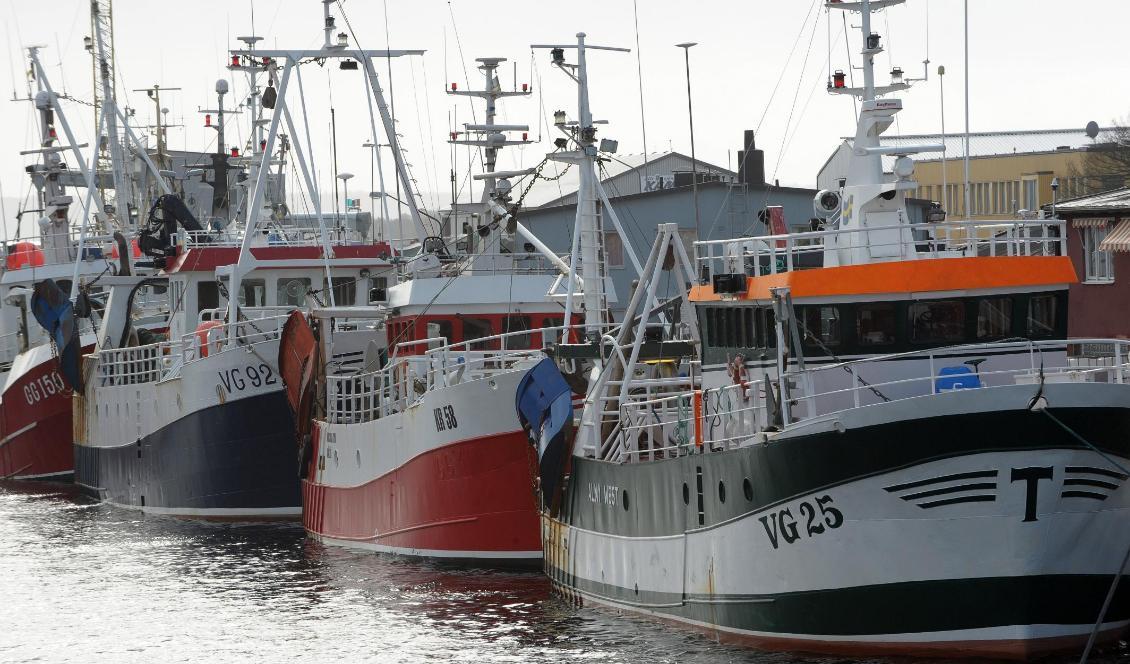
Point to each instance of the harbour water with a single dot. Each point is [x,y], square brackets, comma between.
[81,581]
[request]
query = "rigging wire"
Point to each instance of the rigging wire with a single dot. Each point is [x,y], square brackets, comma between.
[784,69]
[431,132]
[792,110]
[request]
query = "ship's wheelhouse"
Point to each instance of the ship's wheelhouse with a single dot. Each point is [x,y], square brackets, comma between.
[879,327]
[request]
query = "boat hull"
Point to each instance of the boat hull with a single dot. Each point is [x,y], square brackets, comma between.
[230,460]
[35,419]
[462,492]
[981,530]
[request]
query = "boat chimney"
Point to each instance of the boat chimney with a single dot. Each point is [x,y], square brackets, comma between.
[751,162]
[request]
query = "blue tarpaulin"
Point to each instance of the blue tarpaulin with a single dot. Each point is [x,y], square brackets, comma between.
[545,405]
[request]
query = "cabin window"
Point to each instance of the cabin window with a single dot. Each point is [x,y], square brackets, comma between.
[994,317]
[875,324]
[1041,316]
[292,292]
[941,321]
[378,289]
[207,295]
[252,292]
[477,328]
[514,324]
[770,327]
[442,327]
[345,290]
[820,325]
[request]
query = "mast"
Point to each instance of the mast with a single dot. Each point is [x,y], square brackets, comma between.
[871,198]
[102,25]
[280,111]
[588,231]
[490,136]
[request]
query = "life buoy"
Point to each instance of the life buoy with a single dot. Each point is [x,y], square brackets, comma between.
[202,331]
[739,374]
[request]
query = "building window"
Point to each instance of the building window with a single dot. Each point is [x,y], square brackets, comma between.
[1099,264]
[994,317]
[875,324]
[942,321]
[1031,196]
[614,250]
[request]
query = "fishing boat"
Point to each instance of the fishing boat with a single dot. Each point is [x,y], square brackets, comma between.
[35,402]
[196,424]
[420,452]
[879,440]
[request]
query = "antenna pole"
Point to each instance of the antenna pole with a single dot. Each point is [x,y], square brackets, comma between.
[694,161]
[968,209]
[942,91]
[639,79]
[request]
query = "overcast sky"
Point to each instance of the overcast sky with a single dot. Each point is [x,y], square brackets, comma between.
[1035,64]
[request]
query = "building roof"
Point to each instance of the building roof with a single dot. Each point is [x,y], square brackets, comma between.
[549,194]
[1116,201]
[997,143]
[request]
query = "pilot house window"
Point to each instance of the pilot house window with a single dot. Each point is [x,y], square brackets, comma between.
[875,324]
[1041,316]
[942,321]
[821,326]
[994,317]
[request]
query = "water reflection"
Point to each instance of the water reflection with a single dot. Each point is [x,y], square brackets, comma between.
[83,581]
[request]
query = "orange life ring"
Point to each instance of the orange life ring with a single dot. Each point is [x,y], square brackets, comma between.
[202,331]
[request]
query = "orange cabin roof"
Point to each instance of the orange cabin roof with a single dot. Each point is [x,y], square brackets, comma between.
[913,276]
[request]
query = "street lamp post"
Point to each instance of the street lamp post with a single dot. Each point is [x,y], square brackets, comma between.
[686,46]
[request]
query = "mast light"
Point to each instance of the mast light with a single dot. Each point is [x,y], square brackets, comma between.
[873,41]
[234,151]
[559,118]
[558,55]
[235,60]
[838,79]
[207,119]
[896,75]
[454,85]
[525,87]
[342,39]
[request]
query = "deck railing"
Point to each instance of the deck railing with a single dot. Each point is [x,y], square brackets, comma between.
[361,397]
[771,254]
[674,419]
[163,360]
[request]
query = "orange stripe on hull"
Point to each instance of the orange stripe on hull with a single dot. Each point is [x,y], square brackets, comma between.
[916,276]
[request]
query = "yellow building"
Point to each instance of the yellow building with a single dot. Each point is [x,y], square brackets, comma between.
[1008,171]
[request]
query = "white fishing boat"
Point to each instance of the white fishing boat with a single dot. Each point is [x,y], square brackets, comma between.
[886,444]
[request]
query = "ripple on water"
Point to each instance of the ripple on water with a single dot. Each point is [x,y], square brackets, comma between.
[92,583]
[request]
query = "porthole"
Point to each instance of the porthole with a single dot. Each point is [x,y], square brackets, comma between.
[625,500]
[686,494]
[747,489]
[721,492]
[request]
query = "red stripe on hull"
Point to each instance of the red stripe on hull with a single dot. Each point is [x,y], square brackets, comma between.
[35,425]
[474,496]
